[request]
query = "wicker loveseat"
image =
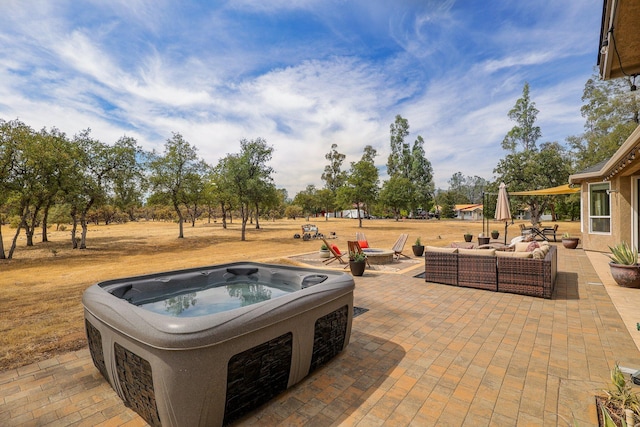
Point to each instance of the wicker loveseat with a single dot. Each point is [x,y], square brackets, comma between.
[514,272]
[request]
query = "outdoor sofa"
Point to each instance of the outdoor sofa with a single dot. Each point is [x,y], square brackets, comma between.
[528,270]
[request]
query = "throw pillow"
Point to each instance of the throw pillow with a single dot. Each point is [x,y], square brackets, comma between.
[335,249]
[363,244]
[532,246]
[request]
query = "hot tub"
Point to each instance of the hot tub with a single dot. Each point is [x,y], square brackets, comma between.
[206,345]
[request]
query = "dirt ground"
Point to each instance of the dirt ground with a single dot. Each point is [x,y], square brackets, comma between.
[41,288]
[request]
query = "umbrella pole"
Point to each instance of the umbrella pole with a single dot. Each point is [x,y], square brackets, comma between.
[506,224]
[484,207]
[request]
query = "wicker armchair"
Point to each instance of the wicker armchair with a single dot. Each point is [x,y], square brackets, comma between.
[441,265]
[535,277]
[477,269]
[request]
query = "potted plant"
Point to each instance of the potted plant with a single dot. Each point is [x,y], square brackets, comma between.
[569,242]
[357,263]
[495,234]
[483,240]
[324,251]
[418,248]
[624,265]
[619,405]
[468,237]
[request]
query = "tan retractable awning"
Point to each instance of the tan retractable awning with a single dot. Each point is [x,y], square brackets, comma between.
[553,191]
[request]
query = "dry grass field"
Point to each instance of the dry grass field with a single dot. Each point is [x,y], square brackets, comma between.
[41,288]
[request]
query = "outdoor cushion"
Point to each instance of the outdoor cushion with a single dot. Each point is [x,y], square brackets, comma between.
[441,250]
[511,254]
[480,252]
[462,245]
[363,244]
[532,246]
[335,249]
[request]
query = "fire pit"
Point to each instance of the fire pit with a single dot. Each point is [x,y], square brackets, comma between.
[379,256]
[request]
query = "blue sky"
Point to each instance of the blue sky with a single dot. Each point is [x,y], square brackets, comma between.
[302,74]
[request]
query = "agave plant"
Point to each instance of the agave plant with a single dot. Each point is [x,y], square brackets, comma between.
[623,254]
[357,256]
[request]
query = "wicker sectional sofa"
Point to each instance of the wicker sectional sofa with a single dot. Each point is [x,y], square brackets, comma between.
[515,272]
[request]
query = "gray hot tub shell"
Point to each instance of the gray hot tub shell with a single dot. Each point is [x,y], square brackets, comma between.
[211,369]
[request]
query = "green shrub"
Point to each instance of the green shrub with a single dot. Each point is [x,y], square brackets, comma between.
[357,256]
[620,394]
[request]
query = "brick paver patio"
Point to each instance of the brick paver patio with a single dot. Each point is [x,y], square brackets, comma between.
[424,354]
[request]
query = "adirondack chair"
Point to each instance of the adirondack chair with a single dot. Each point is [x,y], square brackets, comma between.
[398,246]
[362,240]
[334,252]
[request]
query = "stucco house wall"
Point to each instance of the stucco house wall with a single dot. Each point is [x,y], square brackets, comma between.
[622,174]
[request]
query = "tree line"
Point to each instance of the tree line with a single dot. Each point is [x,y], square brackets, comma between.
[47,176]
[408,190]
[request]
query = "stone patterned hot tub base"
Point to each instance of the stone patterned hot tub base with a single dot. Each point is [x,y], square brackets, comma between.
[254,376]
[217,384]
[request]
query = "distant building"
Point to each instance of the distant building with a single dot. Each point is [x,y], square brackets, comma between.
[352,213]
[347,213]
[469,212]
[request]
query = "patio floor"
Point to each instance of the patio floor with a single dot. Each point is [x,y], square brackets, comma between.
[424,354]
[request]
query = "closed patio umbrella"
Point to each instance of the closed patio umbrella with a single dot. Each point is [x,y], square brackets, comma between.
[503,210]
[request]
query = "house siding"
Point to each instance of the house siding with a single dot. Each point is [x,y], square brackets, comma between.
[621,216]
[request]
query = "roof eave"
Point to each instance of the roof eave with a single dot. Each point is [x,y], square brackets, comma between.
[619,39]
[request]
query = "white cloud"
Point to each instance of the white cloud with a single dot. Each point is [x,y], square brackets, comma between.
[131,66]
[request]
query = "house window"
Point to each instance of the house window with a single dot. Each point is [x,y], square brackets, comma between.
[599,208]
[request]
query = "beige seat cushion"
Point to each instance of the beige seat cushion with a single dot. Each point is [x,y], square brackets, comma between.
[480,252]
[441,250]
